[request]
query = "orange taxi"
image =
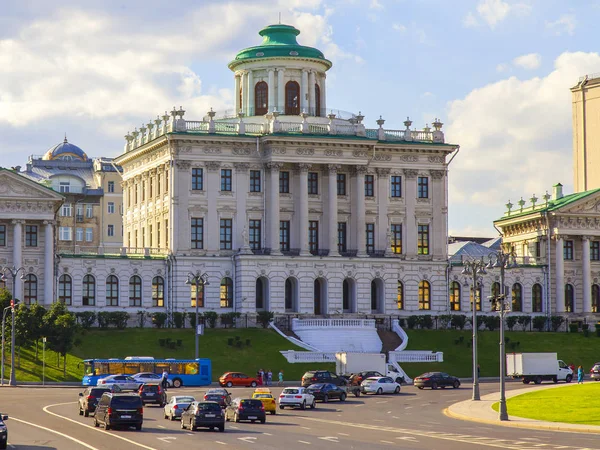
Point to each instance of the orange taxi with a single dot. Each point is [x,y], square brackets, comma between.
[265,396]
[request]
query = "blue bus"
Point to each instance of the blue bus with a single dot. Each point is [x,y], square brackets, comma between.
[182,372]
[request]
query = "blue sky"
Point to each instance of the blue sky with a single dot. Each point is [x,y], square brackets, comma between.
[496,72]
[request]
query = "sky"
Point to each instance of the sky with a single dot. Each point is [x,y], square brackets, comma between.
[496,72]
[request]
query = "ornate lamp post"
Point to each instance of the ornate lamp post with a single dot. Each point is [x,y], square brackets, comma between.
[13,272]
[197,280]
[475,268]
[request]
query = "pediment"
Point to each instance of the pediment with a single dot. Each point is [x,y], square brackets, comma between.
[17,187]
[588,206]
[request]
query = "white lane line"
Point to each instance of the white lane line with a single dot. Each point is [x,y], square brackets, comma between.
[234,427]
[343,434]
[304,442]
[389,412]
[386,442]
[305,428]
[267,434]
[378,420]
[46,410]
[160,426]
[71,438]
[379,403]
[219,442]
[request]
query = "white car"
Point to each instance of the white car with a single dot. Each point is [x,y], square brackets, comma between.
[379,385]
[150,377]
[296,396]
[176,405]
[124,382]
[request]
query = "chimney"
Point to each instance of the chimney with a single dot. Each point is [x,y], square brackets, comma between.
[557,192]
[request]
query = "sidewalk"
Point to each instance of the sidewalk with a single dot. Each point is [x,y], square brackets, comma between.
[482,412]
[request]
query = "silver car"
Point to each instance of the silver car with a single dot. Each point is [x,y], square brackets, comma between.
[124,382]
[176,405]
[595,372]
[150,377]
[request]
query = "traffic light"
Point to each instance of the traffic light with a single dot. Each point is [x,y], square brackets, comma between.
[12,303]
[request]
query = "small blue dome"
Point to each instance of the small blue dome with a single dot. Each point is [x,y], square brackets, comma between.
[65,150]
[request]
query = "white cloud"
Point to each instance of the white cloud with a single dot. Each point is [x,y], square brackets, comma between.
[564,24]
[530,61]
[470,20]
[492,12]
[398,27]
[375,4]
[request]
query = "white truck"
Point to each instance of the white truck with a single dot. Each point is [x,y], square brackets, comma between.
[347,363]
[537,367]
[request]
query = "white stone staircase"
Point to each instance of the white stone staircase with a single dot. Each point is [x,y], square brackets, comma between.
[339,335]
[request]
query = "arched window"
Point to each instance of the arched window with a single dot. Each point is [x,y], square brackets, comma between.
[158,291]
[290,295]
[517,297]
[260,291]
[317,297]
[495,289]
[65,289]
[347,293]
[135,291]
[226,293]
[261,98]
[317,100]
[569,298]
[595,298]
[292,98]
[536,298]
[454,295]
[373,296]
[200,292]
[31,288]
[424,295]
[400,295]
[112,291]
[89,291]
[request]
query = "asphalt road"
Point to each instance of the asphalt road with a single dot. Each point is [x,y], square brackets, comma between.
[47,418]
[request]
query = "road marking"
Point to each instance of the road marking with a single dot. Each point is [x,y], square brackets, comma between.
[394,417]
[248,439]
[53,431]
[167,439]
[378,420]
[304,442]
[330,438]
[219,442]
[386,442]
[389,412]
[160,426]
[379,403]
[407,407]
[305,428]
[343,434]
[267,434]
[234,427]
[46,410]
[407,438]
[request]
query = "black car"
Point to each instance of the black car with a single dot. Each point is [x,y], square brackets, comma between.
[153,393]
[322,376]
[88,399]
[3,432]
[435,380]
[221,396]
[357,378]
[115,410]
[246,409]
[203,415]
[326,392]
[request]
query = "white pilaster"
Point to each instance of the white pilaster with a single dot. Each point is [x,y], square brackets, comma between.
[587,269]
[359,208]
[48,263]
[438,202]
[236,93]
[250,95]
[311,93]
[274,209]
[303,205]
[280,91]
[211,221]
[332,210]
[304,91]
[410,182]
[383,192]
[560,275]
[323,94]
[241,188]
[18,256]
[271,89]
[244,95]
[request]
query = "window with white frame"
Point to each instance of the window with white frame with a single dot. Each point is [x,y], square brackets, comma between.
[66,210]
[65,234]
[89,211]
[110,232]
[79,234]
[89,234]
[111,207]
[64,187]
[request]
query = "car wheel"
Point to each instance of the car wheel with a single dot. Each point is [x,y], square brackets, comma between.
[434,385]
[177,383]
[325,398]
[313,405]
[303,405]
[229,384]
[456,384]
[538,380]
[166,416]
[106,426]
[222,428]
[182,424]
[253,384]
[192,427]
[80,411]
[379,391]
[555,380]
[162,405]
[569,378]
[86,413]
[236,418]
[397,390]
[138,427]
[96,424]
[420,387]
[343,397]
[281,407]
[263,420]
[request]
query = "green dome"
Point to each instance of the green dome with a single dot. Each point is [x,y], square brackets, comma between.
[278,41]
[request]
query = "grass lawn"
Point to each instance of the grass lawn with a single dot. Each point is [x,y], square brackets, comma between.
[577,403]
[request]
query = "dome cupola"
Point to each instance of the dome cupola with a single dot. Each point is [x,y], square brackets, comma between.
[65,150]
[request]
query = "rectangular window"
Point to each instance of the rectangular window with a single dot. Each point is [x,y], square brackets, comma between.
[166,181]
[369,186]
[538,249]
[568,250]
[167,233]
[79,211]
[31,235]
[150,236]
[313,183]
[64,187]
[197,233]
[111,186]
[396,230]
[158,234]
[111,207]
[65,234]
[226,228]
[423,187]
[284,235]
[255,185]
[313,236]
[3,235]
[255,234]
[226,180]
[151,187]
[423,240]
[143,191]
[595,250]
[341,184]
[79,234]
[89,234]
[158,184]
[396,186]
[110,231]
[66,210]
[89,211]
[342,232]
[197,179]
[370,230]
[284,182]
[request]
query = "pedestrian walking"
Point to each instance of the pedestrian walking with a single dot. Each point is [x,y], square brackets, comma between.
[478,371]
[164,378]
[269,377]
[261,377]
[280,382]
[579,375]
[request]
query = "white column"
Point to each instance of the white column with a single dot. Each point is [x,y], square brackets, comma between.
[241,187]
[211,221]
[18,256]
[303,213]
[311,93]
[280,91]
[274,209]
[383,193]
[244,88]
[271,89]
[359,208]
[332,209]
[560,275]
[236,93]
[587,269]
[48,263]
[410,219]
[304,91]
[438,196]
[323,95]
[250,94]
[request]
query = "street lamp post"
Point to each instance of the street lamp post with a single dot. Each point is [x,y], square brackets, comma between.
[197,280]
[3,340]
[13,272]
[475,268]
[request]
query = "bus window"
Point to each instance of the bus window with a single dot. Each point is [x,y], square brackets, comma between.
[160,367]
[88,368]
[147,367]
[101,368]
[191,369]
[131,368]
[116,367]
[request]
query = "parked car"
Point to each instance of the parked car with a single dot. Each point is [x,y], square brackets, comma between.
[379,385]
[595,372]
[322,376]
[357,378]
[153,393]
[119,410]
[3,432]
[326,392]
[246,409]
[267,399]
[230,379]
[296,396]
[124,382]
[221,396]
[176,405]
[150,377]
[435,380]
[203,414]
[88,400]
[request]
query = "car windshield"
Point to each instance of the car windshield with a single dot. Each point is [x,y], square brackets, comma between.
[316,386]
[129,401]
[213,397]
[596,367]
[290,391]
[251,403]
[263,396]
[185,400]
[427,374]
[208,407]
[308,375]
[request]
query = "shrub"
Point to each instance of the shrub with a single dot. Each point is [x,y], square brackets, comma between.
[228,319]
[142,317]
[539,323]
[179,319]
[491,322]
[265,317]
[412,322]
[573,328]
[86,319]
[556,322]
[402,323]
[445,320]
[119,319]
[585,326]
[459,321]
[586,332]
[159,319]
[524,321]
[103,319]
[425,322]
[211,318]
[511,321]
[598,330]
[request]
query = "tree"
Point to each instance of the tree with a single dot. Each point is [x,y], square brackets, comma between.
[22,328]
[37,325]
[5,298]
[61,329]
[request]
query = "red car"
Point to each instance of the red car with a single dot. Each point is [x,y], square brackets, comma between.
[229,379]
